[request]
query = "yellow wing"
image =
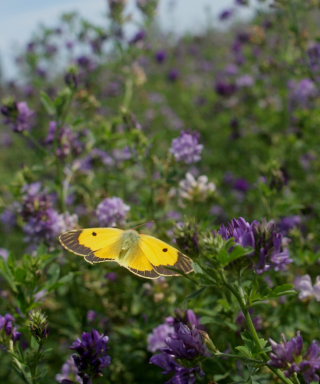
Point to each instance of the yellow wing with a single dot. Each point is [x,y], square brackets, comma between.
[161,255]
[95,244]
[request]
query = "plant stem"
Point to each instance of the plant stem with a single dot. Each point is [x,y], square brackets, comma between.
[253,331]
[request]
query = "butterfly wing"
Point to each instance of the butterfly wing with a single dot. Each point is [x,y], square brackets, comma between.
[95,244]
[162,255]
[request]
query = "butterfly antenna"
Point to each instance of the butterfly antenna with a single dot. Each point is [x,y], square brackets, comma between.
[141,225]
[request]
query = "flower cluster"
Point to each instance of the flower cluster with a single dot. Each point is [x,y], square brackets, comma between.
[112,211]
[91,355]
[179,339]
[42,222]
[187,148]
[306,290]
[66,141]
[196,189]
[269,251]
[18,116]
[8,329]
[288,356]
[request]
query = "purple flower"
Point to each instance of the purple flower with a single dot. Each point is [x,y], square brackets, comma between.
[91,356]
[184,341]
[225,88]
[156,340]
[226,14]
[173,75]
[269,251]
[7,327]
[286,224]
[302,91]
[161,56]
[306,290]
[139,36]
[112,211]
[285,352]
[245,81]
[68,373]
[111,276]
[4,253]
[314,56]
[288,356]
[42,222]
[18,115]
[91,315]
[187,148]
[182,375]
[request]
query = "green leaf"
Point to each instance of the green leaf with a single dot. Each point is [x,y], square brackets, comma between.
[47,103]
[6,272]
[244,351]
[231,252]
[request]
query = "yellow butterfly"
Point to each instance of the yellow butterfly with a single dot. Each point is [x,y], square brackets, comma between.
[143,255]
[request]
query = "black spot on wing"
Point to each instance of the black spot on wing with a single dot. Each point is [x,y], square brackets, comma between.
[146,274]
[184,264]
[70,241]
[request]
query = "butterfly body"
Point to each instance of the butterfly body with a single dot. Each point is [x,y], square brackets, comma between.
[144,255]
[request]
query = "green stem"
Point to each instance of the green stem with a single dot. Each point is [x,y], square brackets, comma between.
[253,331]
[32,140]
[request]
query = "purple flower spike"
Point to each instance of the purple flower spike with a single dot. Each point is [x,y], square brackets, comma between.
[7,325]
[184,342]
[268,244]
[91,356]
[187,148]
[112,211]
[288,356]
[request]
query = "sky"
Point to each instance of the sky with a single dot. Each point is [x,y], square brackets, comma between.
[19,18]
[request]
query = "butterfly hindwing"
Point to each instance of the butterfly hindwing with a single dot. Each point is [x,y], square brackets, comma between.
[95,244]
[139,263]
[162,255]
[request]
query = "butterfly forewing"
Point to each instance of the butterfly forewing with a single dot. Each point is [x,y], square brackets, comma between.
[103,243]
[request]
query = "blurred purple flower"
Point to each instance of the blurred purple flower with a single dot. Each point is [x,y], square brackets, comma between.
[112,276]
[306,290]
[187,148]
[42,222]
[4,253]
[157,339]
[225,88]
[112,211]
[139,36]
[288,356]
[68,142]
[245,81]
[18,115]
[286,224]
[314,56]
[91,315]
[302,91]
[263,238]
[257,321]
[173,75]
[7,325]
[161,56]
[226,14]
[91,356]
[68,374]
